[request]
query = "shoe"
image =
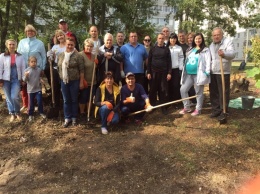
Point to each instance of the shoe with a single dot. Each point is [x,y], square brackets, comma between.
[12,118]
[23,108]
[184,111]
[214,114]
[74,123]
[164,110]
[196,112]
[104,131]
[66,123]
[19,118]
[43,116]
[138,121]
[30,119]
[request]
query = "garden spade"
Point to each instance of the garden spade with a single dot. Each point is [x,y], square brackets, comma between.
[223,117]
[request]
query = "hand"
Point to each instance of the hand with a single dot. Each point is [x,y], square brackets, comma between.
[169,76]
[96,61]
[221,53]
[122,74]
[108,104]
[130,99]
[148,108]
[1,83]
[85,83]
[50,54]
[42,81]
[110,116]
[149,76]
[207,74]
[26,74]
[81,85]
[108,55]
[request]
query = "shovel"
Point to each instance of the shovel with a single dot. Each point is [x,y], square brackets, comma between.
[53,112]
[223,117]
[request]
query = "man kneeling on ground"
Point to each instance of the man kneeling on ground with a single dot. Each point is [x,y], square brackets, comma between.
[134,98]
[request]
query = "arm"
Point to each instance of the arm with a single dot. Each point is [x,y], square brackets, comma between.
[1,67]
[81,71]
[229,52]
[149,64]
[98,97]
[181,59]
[43,55]
[117,57]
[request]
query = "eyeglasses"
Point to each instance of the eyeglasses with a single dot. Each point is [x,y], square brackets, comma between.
[147,40]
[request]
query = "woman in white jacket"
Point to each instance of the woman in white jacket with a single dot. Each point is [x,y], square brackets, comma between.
[195,72]
[177,66]
[12,66]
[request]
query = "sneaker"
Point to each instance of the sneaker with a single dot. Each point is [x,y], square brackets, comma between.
[196,112]
[12,118]
[184,111]
[19,118]
[74,123]
[30,119]
[214,114]
[43,116]
[23,108]
[104,131]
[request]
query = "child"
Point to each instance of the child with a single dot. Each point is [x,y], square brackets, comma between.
[32,77]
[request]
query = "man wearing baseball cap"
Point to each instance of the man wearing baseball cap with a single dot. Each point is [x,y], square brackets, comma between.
[134,98]
[63,25]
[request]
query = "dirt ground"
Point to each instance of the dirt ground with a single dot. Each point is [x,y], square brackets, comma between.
[169,154]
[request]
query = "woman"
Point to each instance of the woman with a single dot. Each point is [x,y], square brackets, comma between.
[110,59]
[12,66]
[190,37]
[53,54]
[71,71]
[196,72]
[148,45]
[89,60]
[177,65]
[31,46]
[107,101]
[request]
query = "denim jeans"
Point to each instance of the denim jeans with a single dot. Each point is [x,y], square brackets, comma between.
[31,97]
[103,112]
[11,90]
[70,93]
[126,109]
[189,81]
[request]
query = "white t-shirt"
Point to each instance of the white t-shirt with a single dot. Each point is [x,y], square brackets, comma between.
[57,50]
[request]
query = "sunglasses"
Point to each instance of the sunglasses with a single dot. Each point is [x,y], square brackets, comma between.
[147,40]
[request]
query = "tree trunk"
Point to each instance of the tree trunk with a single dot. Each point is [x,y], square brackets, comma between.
[102,18]
[92,12]
[33,11]
[5,24]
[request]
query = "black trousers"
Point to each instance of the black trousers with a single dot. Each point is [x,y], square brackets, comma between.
[215,89]
[56,85]
[158,86]
[174,85]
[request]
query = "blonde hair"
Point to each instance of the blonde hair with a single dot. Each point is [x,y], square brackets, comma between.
[57,32]
[30,27]
[10,40]
[89,41]
[32,57]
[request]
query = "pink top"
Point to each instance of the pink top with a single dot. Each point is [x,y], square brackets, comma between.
[12,59]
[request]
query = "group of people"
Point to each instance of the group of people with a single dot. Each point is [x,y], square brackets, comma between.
[175,67]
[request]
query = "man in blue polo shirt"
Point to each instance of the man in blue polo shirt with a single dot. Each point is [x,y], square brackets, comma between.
[134,54]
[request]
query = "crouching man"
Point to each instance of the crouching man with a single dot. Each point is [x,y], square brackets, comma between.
[134,98]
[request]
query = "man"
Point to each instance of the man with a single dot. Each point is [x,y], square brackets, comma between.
[182,41]
[133,98]
[220,47]
[93,32]
[159,71]
[120,38]
[63,25]
[166,32]
[134,54]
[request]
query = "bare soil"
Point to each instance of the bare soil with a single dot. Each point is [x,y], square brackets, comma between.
[165,154]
